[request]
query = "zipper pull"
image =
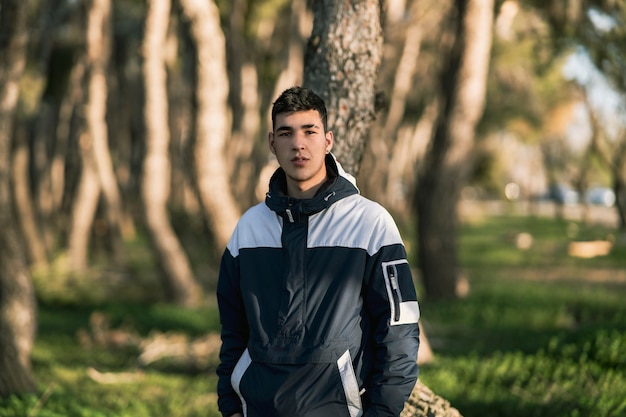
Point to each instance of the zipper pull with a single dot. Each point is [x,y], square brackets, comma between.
[392,273]
[290,215]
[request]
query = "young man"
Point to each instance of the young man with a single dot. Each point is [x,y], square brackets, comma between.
[317,304]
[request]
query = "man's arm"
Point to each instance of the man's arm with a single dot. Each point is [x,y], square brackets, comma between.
[234,333]
[392,306]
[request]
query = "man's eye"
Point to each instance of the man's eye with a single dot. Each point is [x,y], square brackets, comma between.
[284,134]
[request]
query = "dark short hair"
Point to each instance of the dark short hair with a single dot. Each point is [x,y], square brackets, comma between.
[296,99]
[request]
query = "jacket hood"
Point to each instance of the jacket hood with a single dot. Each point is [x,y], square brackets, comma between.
[339,185]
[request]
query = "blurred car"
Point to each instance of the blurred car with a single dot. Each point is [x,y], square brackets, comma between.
[600,196]
[563,194]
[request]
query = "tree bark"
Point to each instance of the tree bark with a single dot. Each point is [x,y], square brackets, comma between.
[341,64]
[17,299]
[178,276]
[212,127]
[447,162]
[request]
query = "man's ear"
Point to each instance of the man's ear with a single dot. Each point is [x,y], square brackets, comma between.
[330,140]
[270,142]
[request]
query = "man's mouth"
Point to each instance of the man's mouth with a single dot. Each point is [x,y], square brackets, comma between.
[299,160]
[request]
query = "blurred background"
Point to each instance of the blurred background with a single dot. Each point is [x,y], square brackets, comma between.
[133,135]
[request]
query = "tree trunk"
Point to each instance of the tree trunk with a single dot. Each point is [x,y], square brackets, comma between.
[87,196]
[402,85]
[245,104]
[98,52]
[341,64]
[221,209]
[349,93]
[298,28]
[59,165]
[618,171]
[619,188]
[403,80]
[17,299]
[178,276]
[33,239]
[84,207]
[408,150]
[613,155]
[447,162]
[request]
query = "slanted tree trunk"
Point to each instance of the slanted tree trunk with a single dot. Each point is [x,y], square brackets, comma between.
[212,126]
[299,23]
[25,209]
[84,207]
[446,165]
[341,65]
[402,85]
[59,165]
[178,277]
[245,103]
[98,53]
[87,196]
[17,299]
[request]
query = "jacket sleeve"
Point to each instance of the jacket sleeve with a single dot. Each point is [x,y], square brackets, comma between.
[391,304]
[234,332]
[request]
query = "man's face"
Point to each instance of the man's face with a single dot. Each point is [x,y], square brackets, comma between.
[300,145]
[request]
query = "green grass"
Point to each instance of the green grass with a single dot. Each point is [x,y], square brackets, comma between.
[62,366]
[540,334]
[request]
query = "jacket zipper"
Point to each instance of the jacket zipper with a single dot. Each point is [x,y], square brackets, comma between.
[392,273]
[290,215]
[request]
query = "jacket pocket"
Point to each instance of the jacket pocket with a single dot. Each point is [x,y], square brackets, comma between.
[350,385]
[402,303]
[235,379]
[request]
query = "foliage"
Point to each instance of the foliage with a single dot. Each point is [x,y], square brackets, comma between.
[540,334]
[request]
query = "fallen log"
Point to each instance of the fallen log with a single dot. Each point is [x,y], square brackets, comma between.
[423,402]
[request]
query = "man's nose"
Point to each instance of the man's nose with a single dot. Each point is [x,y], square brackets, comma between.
[298,141]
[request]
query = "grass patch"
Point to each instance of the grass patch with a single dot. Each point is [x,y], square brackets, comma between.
[64,367]
[540,334]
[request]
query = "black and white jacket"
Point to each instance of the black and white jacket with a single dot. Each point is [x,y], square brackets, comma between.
[318,307]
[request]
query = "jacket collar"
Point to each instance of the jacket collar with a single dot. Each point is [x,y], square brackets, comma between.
[338,185]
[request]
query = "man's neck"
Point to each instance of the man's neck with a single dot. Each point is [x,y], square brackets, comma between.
[304,192]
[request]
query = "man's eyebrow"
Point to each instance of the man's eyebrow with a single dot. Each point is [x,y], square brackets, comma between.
[290,128]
